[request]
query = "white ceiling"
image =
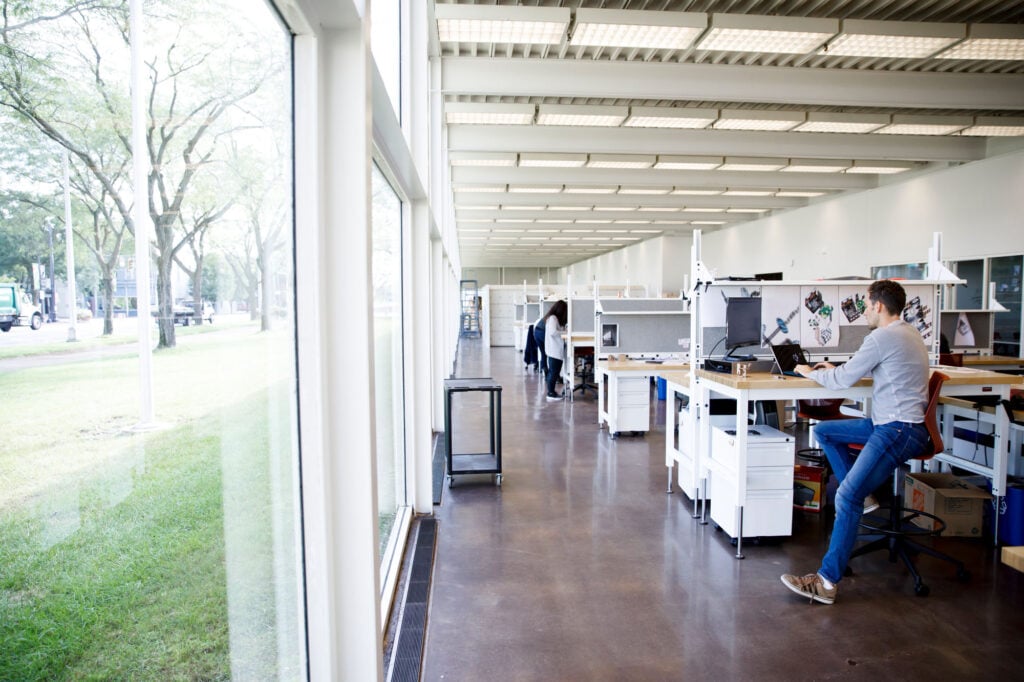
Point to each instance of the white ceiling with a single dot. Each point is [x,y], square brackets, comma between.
[524,214]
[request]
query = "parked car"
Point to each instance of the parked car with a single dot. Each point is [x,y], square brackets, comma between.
[184,312]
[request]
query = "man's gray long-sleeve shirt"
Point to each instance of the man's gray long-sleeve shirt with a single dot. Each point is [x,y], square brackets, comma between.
[897,360]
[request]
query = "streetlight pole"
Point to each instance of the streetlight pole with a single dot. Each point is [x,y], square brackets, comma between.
[53,292]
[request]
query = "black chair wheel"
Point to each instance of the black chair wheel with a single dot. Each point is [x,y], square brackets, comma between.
[963,575]
[922,590]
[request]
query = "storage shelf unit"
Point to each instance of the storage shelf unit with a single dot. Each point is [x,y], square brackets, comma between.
[470,317]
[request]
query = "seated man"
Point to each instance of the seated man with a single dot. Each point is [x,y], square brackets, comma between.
[895,356]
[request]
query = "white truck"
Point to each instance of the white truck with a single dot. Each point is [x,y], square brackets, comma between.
[16,308]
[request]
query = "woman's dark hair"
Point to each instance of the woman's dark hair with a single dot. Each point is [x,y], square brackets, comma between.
[891,294]
[560,310]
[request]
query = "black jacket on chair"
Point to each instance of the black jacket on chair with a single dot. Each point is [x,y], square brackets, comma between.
[530,353]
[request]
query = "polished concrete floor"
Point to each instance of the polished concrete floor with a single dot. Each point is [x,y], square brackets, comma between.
[581,567]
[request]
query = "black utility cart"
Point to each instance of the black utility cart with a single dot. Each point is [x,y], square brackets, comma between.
[478,462]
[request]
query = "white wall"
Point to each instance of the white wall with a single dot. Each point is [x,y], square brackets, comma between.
[978,208]
[659,264]
[511,275]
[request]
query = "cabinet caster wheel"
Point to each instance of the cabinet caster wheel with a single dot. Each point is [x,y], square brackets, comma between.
[921,590]
[449,481]
[614,435]
[497,480]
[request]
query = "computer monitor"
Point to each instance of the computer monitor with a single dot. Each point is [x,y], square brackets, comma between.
[742,322]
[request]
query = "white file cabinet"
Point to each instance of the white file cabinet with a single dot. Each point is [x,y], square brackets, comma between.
[629,403]
[769,478]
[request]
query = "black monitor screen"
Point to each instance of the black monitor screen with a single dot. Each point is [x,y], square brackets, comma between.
[742,322]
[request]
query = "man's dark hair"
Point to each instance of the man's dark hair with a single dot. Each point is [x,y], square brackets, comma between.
[890,293]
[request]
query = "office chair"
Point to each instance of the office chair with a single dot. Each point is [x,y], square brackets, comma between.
[951,359]
[895,533]
[585,369]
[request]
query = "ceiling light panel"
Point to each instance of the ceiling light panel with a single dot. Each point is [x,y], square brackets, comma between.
[816,166]
[827,122]
[755,33]
[996,126]
[879,167]
[892,39]
[751,163]
[547,189]
[989,41]
[746,193]
[593,189]
[670,117]
[620,161]
[925,125]
[644,190]
[489,114]
[755,119]
[639,29]
[553,160]
[799,193]
[481,159]
[501,24]
[696,192]
[669,162]
[580,115]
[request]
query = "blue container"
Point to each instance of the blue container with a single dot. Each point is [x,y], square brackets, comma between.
[662,388]
[1011,517]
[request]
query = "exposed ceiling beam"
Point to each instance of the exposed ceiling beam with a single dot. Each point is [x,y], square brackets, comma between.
[676,178]
[563,139]
[584,216]
[647,200]
[601,79]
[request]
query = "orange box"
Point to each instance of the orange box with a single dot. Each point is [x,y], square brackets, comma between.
[808,488]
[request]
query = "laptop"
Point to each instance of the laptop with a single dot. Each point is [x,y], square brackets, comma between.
[788,356]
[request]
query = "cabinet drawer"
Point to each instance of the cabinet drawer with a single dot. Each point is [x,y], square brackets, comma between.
[634,399]
[632,419]
[766,513]
[770,478]
[634,385]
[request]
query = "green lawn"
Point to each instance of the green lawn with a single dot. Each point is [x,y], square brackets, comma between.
[169,554]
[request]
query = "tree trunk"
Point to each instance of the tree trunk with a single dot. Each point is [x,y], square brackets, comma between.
[266,289]
[165,300]
[107,291]
[197,291]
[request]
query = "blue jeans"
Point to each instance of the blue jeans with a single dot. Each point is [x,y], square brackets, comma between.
[554,371]
[538,336]
[886,446]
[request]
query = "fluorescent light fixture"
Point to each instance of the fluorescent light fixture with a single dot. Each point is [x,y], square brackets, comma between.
[990,41]
[516,220]
[757,119]
[751,163]
[827,122]
[626,239]
[659,209]
[816,166]
[696,192]
[892,39]
[478,188]
[620,161]
[668,162]
[645,30]
[507,231]
[925,125]
[547,189]
[481,159]
[580,115]
[501,24]
[707,222]
[879,167]
[521,208]
[645,231]
[799,193]
[476,208]
[747,210]
[546,160]
[615,208]
[569,208]
[553,221]
[593,189]
[996,126]
[644,190]
[671,222]
[670,117]
[697,209]
[566,239]
[758,33]
[577,231]
[746,193]
[489,114]
[631,222]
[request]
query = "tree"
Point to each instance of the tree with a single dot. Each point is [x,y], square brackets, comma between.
[77,98]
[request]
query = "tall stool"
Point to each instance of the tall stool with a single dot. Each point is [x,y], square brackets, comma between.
[895,532]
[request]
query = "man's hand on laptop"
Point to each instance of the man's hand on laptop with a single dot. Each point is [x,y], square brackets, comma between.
[803,370]
[823,365]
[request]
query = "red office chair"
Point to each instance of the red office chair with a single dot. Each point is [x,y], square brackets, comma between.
[951,359]
[895,532]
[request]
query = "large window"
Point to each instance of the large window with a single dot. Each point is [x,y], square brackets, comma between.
[389,381]
[1005,272]
[163,545]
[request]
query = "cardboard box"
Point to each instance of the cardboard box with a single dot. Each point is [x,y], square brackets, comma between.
[951,498]
[807,487]
[1014,557]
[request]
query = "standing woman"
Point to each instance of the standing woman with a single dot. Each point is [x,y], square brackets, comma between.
[554,346]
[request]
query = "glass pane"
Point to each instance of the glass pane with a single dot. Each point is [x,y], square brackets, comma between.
[386,46]
[971,296]
[1006,273]
[387,332]
[163,545]
[906,271]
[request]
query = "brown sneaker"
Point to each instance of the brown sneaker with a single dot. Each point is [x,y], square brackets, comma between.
[870,504]
[811,586]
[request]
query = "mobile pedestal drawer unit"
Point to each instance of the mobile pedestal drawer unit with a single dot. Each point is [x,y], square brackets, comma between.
[629,403]
[477,462]
[768,509]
